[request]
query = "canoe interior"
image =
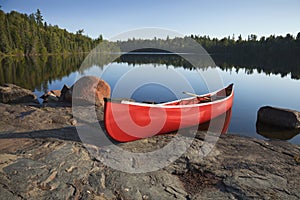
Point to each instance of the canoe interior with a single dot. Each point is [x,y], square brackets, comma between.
[198,99]
[221,94]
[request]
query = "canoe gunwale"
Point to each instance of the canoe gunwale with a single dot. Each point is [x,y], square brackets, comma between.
[163,105]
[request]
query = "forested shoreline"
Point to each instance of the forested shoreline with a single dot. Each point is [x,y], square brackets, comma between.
[22,34]
[29,36]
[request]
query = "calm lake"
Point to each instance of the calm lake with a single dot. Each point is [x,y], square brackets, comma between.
[254,85]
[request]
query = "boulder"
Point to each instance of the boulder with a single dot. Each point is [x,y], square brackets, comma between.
[10,93]
[66,94]
[279,117]
[56,93]
[90,89]
[52,95]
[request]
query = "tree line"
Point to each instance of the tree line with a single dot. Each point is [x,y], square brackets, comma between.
[22,34]
[267,51]
[276,54]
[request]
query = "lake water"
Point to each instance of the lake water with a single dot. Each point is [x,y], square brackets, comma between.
[163,81]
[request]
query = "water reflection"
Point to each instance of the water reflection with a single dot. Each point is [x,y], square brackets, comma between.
[151,83]
[269,65]
[272,66]
[255,83]
[144,58]
[38,72]
[271,132]
[223,120]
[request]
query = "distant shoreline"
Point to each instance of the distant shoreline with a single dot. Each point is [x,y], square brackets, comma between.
[48,54]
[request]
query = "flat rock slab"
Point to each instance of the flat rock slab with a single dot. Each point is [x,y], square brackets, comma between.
[42,157]
[23,118]
[279,117]
[10,93]
[236,168]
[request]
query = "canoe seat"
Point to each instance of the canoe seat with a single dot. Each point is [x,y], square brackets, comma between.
[214,98]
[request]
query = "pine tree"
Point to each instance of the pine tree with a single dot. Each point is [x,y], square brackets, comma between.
[39,17]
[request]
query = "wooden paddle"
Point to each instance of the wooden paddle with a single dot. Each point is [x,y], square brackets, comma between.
[195,95]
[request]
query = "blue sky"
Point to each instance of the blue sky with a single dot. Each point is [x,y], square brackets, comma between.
[216,18]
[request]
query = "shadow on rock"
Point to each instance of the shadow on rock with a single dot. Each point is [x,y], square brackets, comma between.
[93,135]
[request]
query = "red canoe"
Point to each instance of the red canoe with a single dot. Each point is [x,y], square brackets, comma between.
[127,121]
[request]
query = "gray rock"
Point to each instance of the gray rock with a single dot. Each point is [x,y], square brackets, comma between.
[24,118]
[237,168]
[10,93]
[66,94]
[52,95]
[279,117]
[42,160]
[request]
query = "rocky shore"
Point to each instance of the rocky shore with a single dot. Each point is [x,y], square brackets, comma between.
[42,157]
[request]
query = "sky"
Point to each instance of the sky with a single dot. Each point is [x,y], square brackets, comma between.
[216,18]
